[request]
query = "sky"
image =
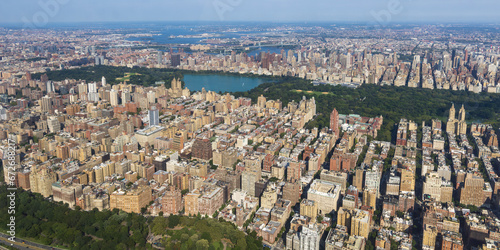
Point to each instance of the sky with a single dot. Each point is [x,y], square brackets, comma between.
[42,12]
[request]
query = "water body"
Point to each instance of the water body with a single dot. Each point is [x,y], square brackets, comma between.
[222,83]
[265,49]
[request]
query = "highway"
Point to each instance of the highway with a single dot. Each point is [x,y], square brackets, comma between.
[22,244]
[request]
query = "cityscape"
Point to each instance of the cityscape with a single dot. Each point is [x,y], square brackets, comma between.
[249,134]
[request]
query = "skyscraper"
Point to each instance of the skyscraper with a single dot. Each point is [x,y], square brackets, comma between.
[175,60]
[159,57]
[103,81]
[125,96]
[113,97]
[46,104]
[93,96]
[334,122]
[92,87]
[454,125]
[472,192]
[154,116]
[50,87]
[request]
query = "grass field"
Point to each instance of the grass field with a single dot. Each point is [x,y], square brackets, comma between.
[126,78]
[312,92]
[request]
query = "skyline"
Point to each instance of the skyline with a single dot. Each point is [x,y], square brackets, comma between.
[383,12]
[370,131]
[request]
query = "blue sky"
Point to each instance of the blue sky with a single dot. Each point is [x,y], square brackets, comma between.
[15,11]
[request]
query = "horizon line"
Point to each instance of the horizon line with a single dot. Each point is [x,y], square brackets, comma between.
[367,22]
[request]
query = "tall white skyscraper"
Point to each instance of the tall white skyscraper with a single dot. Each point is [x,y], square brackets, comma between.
[92,87]
[113,97]
[93,96]
[159,57]
[103,81]
[125,96]
[154,116]
[50,87]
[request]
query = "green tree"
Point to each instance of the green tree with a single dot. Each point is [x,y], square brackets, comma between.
[173,221]
[202,244]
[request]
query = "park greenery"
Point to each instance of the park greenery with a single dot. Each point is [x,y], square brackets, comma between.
[202,233]
[393,103]
[115,75]
[49,223]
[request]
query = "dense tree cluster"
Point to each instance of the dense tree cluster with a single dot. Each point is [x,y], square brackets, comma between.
[55,224]
[202,233]
[142,76]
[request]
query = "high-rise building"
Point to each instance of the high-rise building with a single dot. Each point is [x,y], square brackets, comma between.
[159,57]
[372,181]
[172,201]
[103,81]
[432,186]
[407,180]
[211,200]
[62,152]
[175,90]
[291,191]
[310,237]
[202,149]
[178,141]
[125,96]
[53,124]
[261,101]
[154,116]
[151,96]
[430,235]
[175,60]
[326,194]
[131,201]
[191,204]
[309,208]
[343,162]
[50,87]
[294,171]
[92,87]
[113,97]
[357,221]
[66,193]
[41,180]
[334,122]
[370,198]
[456,126]
[472,192]
[46,104]
[248,180]
[93,96]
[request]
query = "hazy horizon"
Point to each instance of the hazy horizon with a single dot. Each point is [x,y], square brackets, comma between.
[49,12]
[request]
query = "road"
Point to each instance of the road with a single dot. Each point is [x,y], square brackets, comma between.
[22,244]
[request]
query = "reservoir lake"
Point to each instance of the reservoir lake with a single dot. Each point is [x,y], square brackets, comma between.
[222,83]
